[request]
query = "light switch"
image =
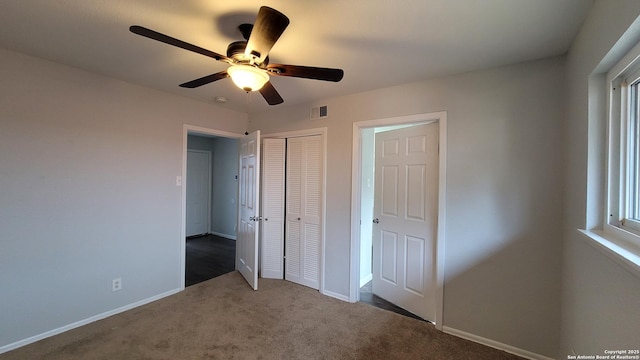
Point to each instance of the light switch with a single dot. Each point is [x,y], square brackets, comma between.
[178,180]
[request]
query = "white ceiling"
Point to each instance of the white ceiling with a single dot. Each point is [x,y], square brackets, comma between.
[378,43]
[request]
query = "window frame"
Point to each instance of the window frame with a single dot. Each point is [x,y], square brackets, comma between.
[623,81]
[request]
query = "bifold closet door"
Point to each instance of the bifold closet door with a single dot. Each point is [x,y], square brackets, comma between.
[272,246]
[303,230]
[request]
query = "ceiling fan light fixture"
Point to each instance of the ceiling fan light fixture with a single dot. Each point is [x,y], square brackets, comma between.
[247,77]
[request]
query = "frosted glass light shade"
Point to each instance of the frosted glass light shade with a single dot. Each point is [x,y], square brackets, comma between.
[248,78]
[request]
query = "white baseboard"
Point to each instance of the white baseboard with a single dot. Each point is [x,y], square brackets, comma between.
[226,236]
[335,295]
[494,344]
[364,280]
[44,335]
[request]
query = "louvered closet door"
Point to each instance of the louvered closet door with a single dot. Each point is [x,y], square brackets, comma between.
[303,231]
[272,234]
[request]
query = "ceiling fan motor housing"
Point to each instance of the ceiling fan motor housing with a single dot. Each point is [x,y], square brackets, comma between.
[236,51]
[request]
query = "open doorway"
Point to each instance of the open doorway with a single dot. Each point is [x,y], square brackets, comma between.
[401,250]
[210,217]
[370,187]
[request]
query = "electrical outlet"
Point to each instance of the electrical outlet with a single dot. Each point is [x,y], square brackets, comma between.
[116,284]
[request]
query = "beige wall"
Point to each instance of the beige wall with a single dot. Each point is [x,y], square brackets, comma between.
[88,193]
[504,193]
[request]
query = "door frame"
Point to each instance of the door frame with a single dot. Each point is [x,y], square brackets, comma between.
[186,131]
[356,175]
[309,132]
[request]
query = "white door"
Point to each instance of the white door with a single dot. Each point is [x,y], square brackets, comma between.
[198,191]
[405,215]
[248,217]
[272,231]
[303,229]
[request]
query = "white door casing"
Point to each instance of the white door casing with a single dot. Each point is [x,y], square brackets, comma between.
[406,208]
[198,192]
[304,210]
[248,205]
[272,231]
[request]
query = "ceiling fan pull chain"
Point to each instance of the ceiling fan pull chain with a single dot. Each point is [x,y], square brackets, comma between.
[248,101]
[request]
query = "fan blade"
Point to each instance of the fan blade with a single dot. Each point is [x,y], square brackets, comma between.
[306,72]
[175,42]
[270,24]
[205,80]
[270,94]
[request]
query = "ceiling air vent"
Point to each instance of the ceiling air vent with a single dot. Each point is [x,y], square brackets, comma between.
[319,112]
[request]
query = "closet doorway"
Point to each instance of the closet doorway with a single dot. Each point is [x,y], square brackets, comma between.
[293,207]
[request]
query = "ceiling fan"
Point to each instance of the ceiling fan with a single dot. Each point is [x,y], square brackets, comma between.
[250,68]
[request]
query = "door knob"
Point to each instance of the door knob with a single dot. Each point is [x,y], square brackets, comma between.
[376,220]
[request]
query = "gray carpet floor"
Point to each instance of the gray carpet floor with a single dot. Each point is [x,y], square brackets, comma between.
[224,319]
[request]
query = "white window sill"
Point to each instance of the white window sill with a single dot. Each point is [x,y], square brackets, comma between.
[622,252]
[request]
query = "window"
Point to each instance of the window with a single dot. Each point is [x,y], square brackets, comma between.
[618,234]
[631,212]
[623,200]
